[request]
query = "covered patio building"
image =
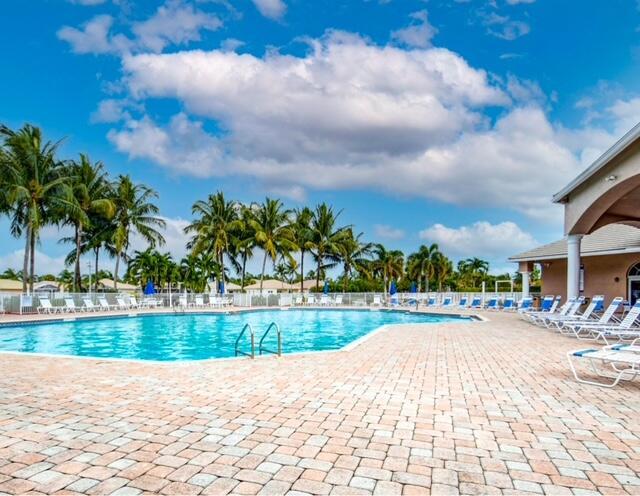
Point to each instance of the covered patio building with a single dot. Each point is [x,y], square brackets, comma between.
[600,253]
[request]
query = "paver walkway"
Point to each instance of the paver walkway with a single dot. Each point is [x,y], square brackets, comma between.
[471,408]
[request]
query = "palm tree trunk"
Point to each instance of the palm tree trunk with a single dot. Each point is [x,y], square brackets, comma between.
[244,270]
[95,278]
[25,263]
[302,271]
[264,265]
[77,283]
[115,274]
[318,272]
[222,269]
[32,256]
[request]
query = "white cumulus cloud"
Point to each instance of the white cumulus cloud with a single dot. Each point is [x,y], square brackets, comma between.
[493,242]
[418,34]
[273,9]
[388,232]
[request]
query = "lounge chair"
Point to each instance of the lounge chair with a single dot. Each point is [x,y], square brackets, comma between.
[199,302]
[549,305]
[492,304]
[338,300]
[447,302]
[568,311]
[623,331]
[133,302]
[525,304]
[46,306]
[104,304]
[70,305]
[476,302]
[298,301]
[586,316]
[431,301]
[617,361]
[579,327]
[509,305]
[377,301]
[88,305]
[182,301]
[121,304]
[311,300]
[324,300]
[462,304]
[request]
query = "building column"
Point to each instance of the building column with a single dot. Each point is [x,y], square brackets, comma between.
[525,270]
[573,265]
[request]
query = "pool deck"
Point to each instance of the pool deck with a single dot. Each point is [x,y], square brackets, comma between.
[482,408]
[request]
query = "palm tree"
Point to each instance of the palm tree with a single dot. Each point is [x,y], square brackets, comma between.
[473,268]
[325,238]
[301,228]
[443,268]
[354,255]
[34,184]
[244,242]
[270,224]
[421,264]
[389,264]
[134,212]
[11,274]
[90,196]
[217,221]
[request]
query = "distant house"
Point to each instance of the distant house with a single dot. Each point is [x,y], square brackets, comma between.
[109,285]
[10,286]
[269,286]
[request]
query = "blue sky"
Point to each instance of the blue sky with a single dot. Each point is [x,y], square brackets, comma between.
[425,121]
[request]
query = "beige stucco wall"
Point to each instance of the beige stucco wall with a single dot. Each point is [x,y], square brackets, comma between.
[588,202]
[599,275]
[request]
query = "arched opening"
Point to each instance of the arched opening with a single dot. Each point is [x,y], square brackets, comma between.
[633,283]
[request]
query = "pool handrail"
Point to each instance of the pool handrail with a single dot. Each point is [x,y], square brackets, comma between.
[253,342]
[279,336]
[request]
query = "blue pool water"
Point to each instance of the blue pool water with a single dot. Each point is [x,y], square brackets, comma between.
[172,337]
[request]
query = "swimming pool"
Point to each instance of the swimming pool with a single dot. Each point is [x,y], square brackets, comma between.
[175,337]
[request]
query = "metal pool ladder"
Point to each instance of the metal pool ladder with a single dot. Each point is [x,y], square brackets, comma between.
[275,326]
[253,342]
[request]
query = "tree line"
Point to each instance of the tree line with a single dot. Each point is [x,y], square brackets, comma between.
[38,189]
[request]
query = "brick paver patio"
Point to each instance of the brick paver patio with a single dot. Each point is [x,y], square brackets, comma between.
[472,408]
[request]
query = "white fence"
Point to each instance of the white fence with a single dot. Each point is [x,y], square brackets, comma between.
[26,304]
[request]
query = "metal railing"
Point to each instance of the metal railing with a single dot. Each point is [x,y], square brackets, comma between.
[253,342]
[261,348]
[16,303]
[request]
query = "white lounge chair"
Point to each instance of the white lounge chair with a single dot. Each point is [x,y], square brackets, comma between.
[88,305]
[46,306]
[324,300]
[624,331]
[586,316]
[311,300]
[377,301]
[182,301]
[133,302]
[582,328]
[199,302]
[548,307]
[337,301]
[104,304]
[298,301]
[569,311]
[617,362]
[70,305]
[121,304]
